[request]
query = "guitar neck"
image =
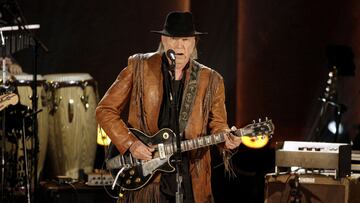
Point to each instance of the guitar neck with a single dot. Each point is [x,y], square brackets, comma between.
[196,143]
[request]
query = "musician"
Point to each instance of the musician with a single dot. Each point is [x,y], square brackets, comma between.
[11,65]
[189,99]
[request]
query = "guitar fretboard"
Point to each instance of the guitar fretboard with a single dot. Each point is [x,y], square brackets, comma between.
[196,143]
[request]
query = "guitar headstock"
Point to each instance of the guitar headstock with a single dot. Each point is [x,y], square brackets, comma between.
[257,134]
[7,99]
[259,128]
[330,92]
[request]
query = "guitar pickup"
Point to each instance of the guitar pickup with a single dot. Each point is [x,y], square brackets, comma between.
[161,150]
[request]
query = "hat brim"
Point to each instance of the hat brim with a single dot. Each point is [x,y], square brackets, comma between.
[166,33]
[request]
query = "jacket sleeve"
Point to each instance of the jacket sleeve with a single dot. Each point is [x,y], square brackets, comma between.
[217,115]
[218,121]
[110,108]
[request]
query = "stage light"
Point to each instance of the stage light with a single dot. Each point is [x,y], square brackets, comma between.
[332,127]
[102,138]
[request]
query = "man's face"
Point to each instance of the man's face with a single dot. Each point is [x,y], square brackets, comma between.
[183,47]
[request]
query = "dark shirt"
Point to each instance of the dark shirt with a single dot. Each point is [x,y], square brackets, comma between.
[169,118]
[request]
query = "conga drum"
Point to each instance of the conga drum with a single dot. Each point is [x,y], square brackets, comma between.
[72,99]
[23,84]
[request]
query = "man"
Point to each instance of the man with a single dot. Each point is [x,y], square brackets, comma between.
[11,65]
[189,99]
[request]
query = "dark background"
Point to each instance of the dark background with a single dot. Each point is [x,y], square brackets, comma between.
[270,53]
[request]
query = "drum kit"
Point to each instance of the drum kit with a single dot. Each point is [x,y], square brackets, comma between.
[67,129]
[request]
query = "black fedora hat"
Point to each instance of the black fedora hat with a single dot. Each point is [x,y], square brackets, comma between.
[179,24]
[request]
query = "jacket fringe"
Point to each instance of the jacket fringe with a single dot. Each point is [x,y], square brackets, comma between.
[148,194]
[228,165]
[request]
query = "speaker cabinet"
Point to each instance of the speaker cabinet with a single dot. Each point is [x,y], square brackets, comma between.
[311,188]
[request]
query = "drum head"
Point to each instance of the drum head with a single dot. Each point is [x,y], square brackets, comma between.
[27,77]
[68,77]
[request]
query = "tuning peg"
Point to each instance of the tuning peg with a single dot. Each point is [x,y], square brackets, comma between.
[266,118]
[259,120]
[254,121]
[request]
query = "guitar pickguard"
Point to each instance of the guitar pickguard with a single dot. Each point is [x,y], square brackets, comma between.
[151,166]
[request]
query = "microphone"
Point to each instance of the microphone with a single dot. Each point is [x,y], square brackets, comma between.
[171,54]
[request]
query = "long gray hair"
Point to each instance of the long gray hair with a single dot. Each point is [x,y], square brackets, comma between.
[194,54]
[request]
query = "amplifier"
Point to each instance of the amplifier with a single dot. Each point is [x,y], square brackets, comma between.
[311,188]
[315,155]
[355,161]
[51,192]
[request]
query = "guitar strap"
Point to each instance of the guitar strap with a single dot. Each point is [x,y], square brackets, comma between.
[190,91]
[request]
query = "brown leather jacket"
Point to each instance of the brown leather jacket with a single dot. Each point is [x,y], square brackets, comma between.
[145,99]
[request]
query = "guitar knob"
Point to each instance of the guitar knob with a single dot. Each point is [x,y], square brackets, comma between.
[131,172]
[128,182]
[137,180]
[166,136]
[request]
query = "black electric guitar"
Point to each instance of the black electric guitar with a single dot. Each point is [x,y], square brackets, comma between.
[132,174]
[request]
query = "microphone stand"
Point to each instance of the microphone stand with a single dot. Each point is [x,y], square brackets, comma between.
[178,158]
[295,191]
[339,110]
[3,158]
[3,150]
[38,43]
[27,175]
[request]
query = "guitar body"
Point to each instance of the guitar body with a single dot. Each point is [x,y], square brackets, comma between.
[140,172]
